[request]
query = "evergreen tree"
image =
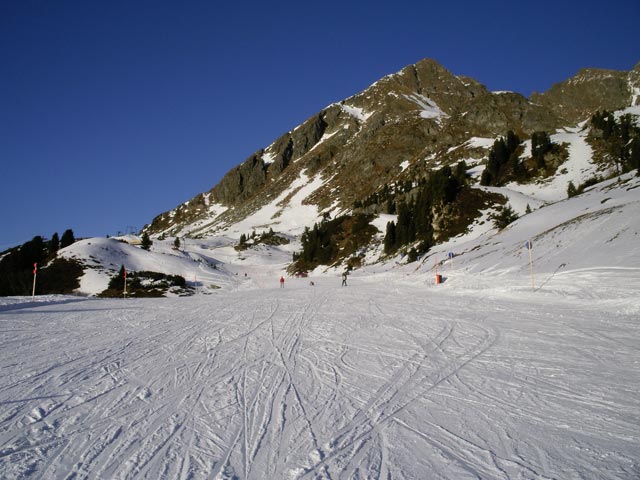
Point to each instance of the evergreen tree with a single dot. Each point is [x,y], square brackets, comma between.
[62,275]
[540,142]
[634,158]
[54,243]
[493,166]
[146,241]
[390,238]
[67,238]
[617,151]
[517,167]
[503,153]
[117,281]
[513,141]
[609,124]
[16,267]
[540,145]
[572,191]
[625,127]
[605,122]
[32,252]
[425,245]
[461,172]
[403,228]
[486,179]
[504,217]
[620,139]
[391,207]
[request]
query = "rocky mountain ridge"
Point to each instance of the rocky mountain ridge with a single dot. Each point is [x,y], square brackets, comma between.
[399,129]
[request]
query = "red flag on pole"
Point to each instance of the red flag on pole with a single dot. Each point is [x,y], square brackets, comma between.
[124,270]
[35,268]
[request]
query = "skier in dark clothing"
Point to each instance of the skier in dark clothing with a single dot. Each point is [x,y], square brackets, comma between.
[344,279]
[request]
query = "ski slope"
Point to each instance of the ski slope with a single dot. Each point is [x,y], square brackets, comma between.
[484,376]
[387,378]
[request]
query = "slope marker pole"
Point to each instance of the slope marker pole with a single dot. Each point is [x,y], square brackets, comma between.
[529,246]
[35,273]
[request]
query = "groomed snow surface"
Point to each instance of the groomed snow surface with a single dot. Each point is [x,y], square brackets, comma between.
[391,377]
[386,378]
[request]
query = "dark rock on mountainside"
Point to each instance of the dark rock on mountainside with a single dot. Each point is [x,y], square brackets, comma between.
[591,89]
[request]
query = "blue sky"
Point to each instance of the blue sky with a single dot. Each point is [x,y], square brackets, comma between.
[112,112]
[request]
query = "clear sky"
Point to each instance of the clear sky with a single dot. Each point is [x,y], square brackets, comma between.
[113,111]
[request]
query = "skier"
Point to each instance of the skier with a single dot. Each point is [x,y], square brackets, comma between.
[281,282]
[344,279]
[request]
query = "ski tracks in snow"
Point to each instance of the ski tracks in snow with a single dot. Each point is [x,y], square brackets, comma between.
[313,383]
[359,448]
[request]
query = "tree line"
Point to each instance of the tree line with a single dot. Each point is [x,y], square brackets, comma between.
[621,139]
[55,275]
[416,215]
[333,240]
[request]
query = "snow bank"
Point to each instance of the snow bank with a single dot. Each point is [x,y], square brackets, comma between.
[430,109]
[356,112]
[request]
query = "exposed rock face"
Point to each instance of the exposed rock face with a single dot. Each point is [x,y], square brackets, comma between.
[241,181]
[634,84]
[398,128]
[248,177]
[591,89]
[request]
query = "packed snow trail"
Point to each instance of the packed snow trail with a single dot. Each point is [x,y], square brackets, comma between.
[370,381]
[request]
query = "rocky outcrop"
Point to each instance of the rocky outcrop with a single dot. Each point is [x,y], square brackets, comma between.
[246,179]
[495,114]
[590,90]
[238,185]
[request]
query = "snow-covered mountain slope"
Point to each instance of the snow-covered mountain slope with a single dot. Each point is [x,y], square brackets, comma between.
[597,229]
[597,232]
[209,265]
[483,376]
[396,130]
[316,175]
[293,209]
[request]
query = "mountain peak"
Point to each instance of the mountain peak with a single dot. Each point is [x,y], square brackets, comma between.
[397,130]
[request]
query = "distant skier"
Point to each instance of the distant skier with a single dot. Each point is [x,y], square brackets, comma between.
[344,279]
[281,282]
